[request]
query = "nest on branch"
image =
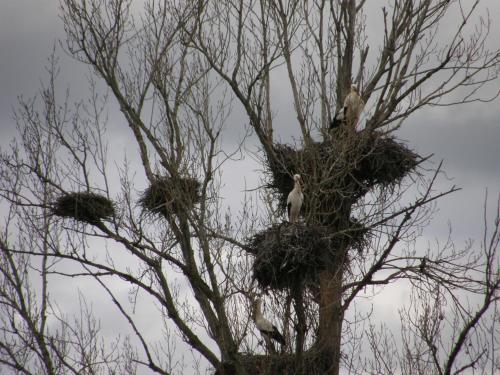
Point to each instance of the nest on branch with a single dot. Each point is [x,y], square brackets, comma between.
[170,195]
[287,255]
[344,167]
[310,363]
[384,161]
[83,206]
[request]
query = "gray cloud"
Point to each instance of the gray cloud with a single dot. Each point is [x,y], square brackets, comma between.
[28,30]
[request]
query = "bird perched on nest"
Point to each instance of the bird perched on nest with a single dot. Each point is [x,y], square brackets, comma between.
[350,112]
[266,328]
[294,200]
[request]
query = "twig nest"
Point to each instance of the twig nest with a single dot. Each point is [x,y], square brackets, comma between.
[311,363]
[84,206]
[289,254]
[345,167]
[384,161]
[170,195]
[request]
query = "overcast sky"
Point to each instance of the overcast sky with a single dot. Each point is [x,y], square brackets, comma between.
[466,138]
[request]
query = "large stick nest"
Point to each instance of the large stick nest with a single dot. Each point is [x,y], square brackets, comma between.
[170,195]
[287,255]
[345,167]
[310,363]
[384,161]
[84,206]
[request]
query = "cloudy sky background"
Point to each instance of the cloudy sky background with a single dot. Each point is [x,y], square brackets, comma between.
[466,138]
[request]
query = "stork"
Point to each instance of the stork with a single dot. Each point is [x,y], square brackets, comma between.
[353,105]
[266,328]
[294,200]
[350,112]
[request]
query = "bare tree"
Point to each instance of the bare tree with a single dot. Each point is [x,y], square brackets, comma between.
[36,337]
[176,72]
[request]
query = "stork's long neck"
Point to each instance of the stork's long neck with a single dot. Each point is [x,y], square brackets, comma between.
[297,186]
[256,311]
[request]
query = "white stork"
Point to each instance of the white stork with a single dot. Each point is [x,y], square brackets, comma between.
[266,328]
[353,105]
[294,200]
[350,112]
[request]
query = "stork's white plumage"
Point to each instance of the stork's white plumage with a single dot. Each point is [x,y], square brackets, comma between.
[294,200]
[350,112]
[353,105]
[265,327]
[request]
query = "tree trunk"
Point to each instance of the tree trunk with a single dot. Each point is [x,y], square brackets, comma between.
[330,320]
[301,322]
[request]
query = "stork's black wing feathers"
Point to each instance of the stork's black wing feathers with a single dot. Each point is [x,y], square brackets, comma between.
[339,118]
[276,335]
[335,123]
[288,208]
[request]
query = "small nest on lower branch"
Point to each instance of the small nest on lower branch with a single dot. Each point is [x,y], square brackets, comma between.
[84,206]
[287,255]
[170,195]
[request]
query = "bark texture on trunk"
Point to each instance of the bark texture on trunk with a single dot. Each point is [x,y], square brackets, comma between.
[330,320]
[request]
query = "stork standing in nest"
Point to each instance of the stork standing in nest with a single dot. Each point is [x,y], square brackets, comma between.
[266,328]
[294,200]
[350,112]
